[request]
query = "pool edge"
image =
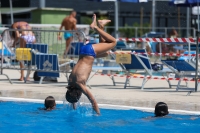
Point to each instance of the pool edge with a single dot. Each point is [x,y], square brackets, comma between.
[107,106]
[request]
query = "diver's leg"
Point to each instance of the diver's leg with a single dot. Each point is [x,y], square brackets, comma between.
[101,25]
[109,43]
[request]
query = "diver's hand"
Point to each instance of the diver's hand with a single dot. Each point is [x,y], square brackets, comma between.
[95,107]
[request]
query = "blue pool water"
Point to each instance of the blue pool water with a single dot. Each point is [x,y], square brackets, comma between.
[25,117]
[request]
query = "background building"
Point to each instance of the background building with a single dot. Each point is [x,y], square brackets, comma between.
[131,14]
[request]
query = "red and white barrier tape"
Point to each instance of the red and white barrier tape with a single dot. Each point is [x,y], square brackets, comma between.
[148,77]
[184,40]
[154,54]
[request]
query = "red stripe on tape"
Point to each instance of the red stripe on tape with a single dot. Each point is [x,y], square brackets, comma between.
[176,39]
[191,39]
[169,39]
[148,77]
[147,39]
[183,39]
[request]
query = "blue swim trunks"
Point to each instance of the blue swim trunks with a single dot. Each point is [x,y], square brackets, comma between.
[67,35]
[87,50]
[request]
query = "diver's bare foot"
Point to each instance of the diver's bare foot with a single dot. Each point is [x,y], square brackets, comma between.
[93,25]
[102,23]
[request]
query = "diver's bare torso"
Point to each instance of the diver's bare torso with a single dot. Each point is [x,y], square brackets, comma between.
[81,71]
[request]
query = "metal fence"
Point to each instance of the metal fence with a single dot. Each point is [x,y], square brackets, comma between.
[44,55]
[141,31]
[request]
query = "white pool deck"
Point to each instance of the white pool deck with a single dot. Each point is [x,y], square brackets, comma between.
[104,92]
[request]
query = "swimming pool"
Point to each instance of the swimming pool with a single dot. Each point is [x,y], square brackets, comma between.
[27,117]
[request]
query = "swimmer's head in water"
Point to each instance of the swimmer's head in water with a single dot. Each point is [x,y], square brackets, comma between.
[50,103]
[161,109]
[73,94]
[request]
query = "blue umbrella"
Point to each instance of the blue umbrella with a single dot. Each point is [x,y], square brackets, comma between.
[135,1]
[186,3]
[128,0]
[190,3]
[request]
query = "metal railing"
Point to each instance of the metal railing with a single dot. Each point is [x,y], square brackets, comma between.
[131,31]
[38,50]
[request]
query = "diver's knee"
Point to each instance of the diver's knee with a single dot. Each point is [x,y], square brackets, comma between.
[115,42]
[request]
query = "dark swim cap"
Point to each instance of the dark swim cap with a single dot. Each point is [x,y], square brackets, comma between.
[161,109]
[72,96]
